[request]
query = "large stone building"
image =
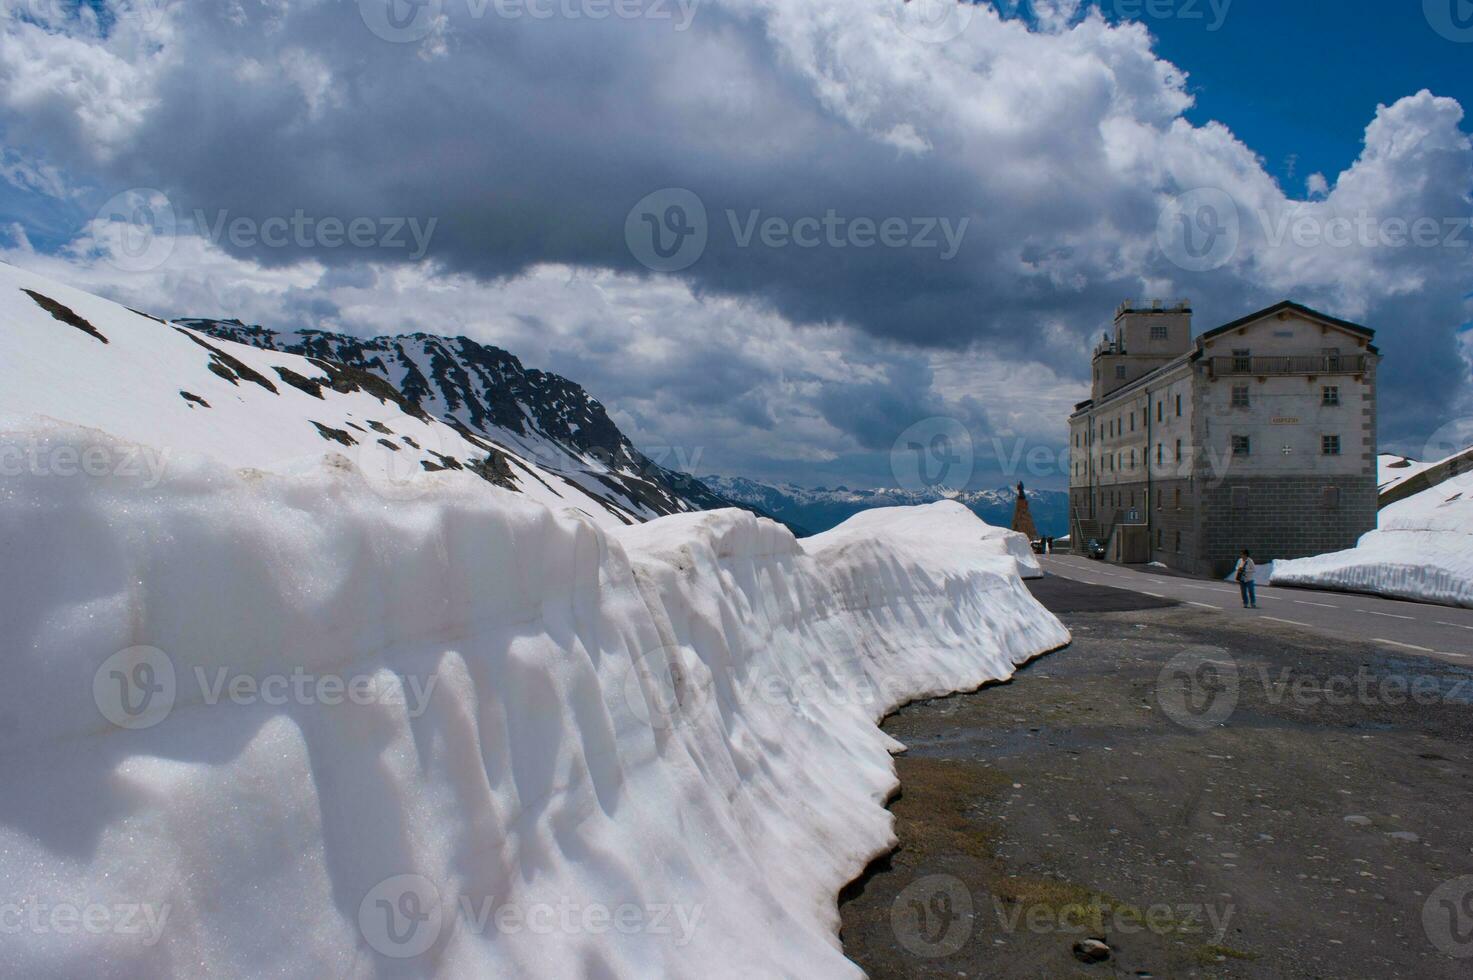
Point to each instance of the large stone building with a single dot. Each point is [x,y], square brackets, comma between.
[1258,434]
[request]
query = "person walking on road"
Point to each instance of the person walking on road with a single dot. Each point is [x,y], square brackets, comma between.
[1243,572]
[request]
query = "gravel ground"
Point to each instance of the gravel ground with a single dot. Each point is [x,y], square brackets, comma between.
[1209,798]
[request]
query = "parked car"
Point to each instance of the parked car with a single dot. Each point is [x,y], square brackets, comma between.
[1096,550]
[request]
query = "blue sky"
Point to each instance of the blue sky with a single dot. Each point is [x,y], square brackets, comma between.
[1298,81]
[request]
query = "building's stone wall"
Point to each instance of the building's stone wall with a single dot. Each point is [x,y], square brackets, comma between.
[1282,517]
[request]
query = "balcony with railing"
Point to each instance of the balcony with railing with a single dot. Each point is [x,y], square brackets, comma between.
[1302,364]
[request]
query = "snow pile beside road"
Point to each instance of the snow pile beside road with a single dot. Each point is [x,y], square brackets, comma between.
[261,724]
[1422,550]
[944,531]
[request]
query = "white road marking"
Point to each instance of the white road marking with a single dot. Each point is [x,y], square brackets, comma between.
[1322,605]
[1372,612]
[1291,622]
[1460,656]
[1408,646]
[1204,605]
[1454,625]
[1154,595]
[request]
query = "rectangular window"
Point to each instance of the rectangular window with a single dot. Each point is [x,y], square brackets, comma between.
[1330,445]
[1242,360]
[1120,371]
[1178,450]
[1178,406]
[1178,542]
[1330,395]
[1158,537]
[1159,450]
[1242,446]
[1240,396]
[1158,412]
[1332,358]
[1158,333]
[1160,499]
[1132,459]
[1132,421]
[1178,499]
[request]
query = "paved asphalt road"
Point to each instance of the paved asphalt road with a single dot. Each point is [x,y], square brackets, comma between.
[1212,794]
[1410,627]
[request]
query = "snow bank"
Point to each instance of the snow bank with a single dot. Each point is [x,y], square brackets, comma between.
[276,724]
[940,529]
[1422,550]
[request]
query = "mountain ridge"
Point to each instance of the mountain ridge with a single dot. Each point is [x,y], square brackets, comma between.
[488,391]
[819,509]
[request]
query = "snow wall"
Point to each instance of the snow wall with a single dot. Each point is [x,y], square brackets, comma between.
[1422,550]
[257,724]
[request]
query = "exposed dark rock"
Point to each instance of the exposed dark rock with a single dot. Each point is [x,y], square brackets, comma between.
[231,368]
[311,386]
[334,435]
[65,315]
[190,396]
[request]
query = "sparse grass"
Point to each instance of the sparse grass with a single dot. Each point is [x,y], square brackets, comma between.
[1212,953]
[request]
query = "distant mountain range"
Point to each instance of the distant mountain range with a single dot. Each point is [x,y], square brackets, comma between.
[819,509]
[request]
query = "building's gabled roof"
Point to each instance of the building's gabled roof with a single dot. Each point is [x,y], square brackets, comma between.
[1291,306]
[1197,344]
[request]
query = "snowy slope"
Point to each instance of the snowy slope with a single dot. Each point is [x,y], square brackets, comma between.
[542,417]
[1422,549]
[1393,470]
[70,356]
